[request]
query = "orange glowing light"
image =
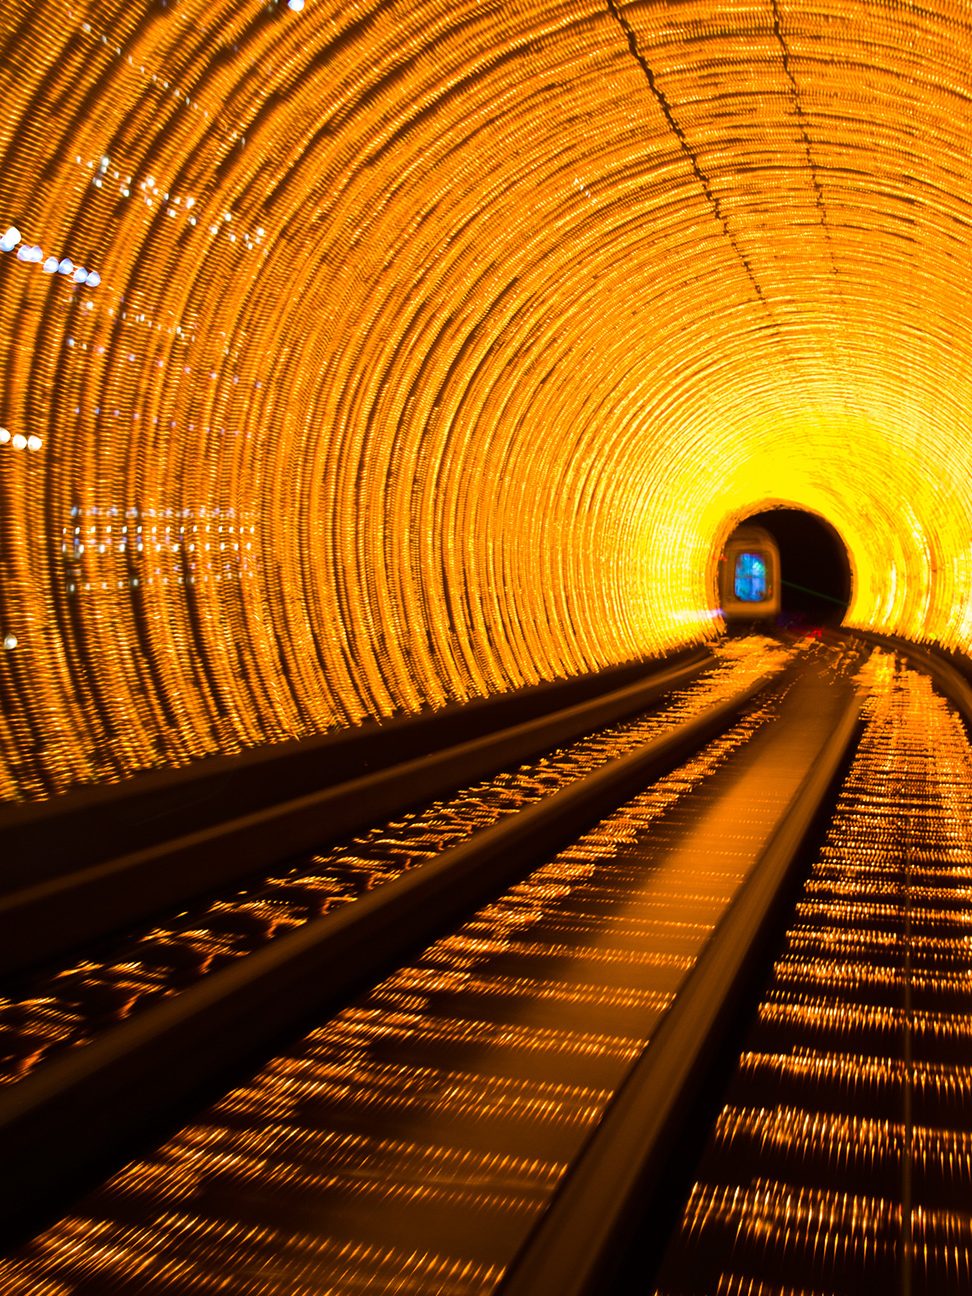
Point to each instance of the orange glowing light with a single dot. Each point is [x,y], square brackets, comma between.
[424,350]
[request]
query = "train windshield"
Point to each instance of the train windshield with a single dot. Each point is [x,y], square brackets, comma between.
[750,578]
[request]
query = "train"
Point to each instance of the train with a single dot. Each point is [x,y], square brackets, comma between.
[749,577]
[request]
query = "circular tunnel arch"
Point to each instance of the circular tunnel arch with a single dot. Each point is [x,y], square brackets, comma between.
[418,351]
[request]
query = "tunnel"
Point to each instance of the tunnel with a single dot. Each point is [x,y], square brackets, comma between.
[333,429]
[815,577]
[391,817]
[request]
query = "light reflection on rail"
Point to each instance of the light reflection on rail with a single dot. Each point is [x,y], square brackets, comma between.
[842,1161]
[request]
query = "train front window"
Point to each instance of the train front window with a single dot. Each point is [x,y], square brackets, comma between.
[749,583]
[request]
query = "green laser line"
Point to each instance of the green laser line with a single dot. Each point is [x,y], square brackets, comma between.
[816,593]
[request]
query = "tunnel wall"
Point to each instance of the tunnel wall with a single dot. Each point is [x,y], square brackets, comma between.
[358,358]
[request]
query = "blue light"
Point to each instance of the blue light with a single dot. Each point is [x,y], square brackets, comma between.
[749,584]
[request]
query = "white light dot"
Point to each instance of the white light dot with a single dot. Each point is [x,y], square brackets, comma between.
[34,442]
[93,279]
[66,267]
[80,275]
[10,642]
[25,253]
[4,435]
[296,5]
[50,265]
[10,239]
[19,441]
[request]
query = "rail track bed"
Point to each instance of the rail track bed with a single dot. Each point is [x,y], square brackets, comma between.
[496,1089]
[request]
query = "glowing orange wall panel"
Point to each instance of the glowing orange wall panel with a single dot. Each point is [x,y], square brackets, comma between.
[424,350]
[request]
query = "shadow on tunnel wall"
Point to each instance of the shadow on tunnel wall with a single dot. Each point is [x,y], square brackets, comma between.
[815,569]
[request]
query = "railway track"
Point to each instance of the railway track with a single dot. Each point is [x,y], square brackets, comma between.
[98,1050]
[447,1125]
[841,1160]
[80,1000]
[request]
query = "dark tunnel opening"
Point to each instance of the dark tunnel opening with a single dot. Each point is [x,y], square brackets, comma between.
[814,567]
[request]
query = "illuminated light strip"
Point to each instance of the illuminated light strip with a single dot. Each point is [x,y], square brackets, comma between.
[33,254]
[17,440]
[494,420]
